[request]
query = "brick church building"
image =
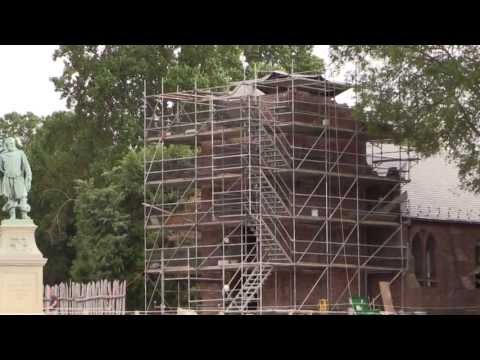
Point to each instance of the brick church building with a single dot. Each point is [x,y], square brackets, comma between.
[442,227]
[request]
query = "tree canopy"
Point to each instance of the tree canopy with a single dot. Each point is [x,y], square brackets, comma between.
[427,95]
[22,127]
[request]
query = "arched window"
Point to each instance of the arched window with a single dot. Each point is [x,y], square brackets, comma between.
[477,264]
[417,257]
[430,262]
[423,252]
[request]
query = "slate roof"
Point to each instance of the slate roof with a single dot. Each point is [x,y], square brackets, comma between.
[434,193]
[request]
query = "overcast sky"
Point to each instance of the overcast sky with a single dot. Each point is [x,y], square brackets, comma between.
[24,79]
[25,72]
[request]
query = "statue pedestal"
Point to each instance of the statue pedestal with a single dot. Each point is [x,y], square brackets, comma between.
[21,269]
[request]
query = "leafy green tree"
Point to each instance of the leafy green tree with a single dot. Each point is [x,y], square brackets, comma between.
[102,238]
[109,238]
[208,65]
[427,95]
[23,127]
[104,85]
[282,57]
[58,156]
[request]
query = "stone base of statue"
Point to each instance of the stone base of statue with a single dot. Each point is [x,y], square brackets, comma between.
[21,268]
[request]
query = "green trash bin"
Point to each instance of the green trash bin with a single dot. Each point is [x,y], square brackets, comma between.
[360,306]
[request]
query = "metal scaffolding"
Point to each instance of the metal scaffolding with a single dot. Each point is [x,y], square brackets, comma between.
[266,196]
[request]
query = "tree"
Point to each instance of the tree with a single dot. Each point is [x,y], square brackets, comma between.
[22,127]
[282,57]
[102,238]
[58,156]
[109,219]
[104,86]
[208,65]
[109,238]
[426,95]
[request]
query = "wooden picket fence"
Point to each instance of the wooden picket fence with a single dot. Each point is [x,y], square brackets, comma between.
[94,298]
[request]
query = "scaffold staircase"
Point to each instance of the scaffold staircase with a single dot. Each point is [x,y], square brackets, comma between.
[271,250]
[253,274]
[273,148]
[248,289]
[274,137]
[271,199]
[270,154]
[269,227]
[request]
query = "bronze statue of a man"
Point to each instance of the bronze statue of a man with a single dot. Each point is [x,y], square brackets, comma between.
[16,179]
